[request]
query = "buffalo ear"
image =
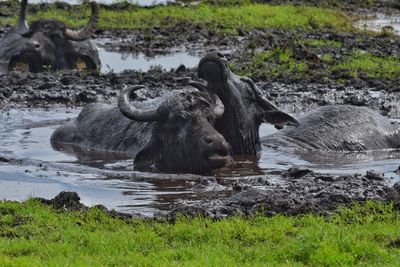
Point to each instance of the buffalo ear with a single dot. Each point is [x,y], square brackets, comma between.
[25,62]
[84,62]
[145,159]
[17,63]
[279,118]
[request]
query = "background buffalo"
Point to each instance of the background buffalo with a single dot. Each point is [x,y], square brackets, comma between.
[245,107]
[49,45]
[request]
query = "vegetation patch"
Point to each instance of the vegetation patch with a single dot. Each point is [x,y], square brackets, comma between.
[315,60]
[224,19]
[364,235]
[276,63]
[367,64]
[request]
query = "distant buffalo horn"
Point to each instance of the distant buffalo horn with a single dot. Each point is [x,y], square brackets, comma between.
[200,86]
[22,24]
[219,107]
[87,31]
[130,111]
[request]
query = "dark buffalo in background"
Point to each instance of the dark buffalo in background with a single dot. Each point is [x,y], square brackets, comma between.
[49,44]
[177,136]
[339,128]
[245,107]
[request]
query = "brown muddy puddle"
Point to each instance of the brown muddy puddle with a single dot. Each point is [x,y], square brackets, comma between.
[29,167]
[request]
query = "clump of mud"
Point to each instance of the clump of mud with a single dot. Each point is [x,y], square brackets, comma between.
[69,201]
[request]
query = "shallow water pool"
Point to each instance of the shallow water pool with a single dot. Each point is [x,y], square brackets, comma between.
[375,22]
[120,61]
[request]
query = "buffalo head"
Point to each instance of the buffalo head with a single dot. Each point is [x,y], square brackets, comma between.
[49,44]
[183,138]
[245,107]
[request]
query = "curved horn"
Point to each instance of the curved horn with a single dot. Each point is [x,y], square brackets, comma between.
[87,31]
[219,107]
[130,111]
[200,86]
[23,26]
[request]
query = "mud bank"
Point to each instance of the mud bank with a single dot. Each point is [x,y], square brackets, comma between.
[303,191]
[78,89]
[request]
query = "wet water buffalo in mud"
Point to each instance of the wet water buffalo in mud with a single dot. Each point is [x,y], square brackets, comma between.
[245,107]
[339,128]
[334,128]
[177,136]
[49,44]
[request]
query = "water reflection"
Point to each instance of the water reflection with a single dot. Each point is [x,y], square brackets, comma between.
[117,61]
[378,21]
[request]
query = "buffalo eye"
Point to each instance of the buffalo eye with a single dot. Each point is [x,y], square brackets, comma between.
[207,140]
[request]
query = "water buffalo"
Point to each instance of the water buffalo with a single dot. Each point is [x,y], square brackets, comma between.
[339,128]
[177,136]
[49,44]
[245,107]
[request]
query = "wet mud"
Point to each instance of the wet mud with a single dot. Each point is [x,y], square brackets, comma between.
[302,191]
[77,89]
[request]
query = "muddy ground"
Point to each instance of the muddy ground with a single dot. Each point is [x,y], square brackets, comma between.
[302,190]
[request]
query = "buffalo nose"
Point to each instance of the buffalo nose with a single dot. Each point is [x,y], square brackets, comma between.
[216,142]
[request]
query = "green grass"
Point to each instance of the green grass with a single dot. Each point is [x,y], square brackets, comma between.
[35,235]
[281,63]
[370,65]
[226,19]
[275,63]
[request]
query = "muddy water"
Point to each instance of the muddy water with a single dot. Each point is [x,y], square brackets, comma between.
[30,167]
[118,61]
[377,21]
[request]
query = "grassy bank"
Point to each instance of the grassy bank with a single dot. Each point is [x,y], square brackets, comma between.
[34,234]
[226,19]
[317,59]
